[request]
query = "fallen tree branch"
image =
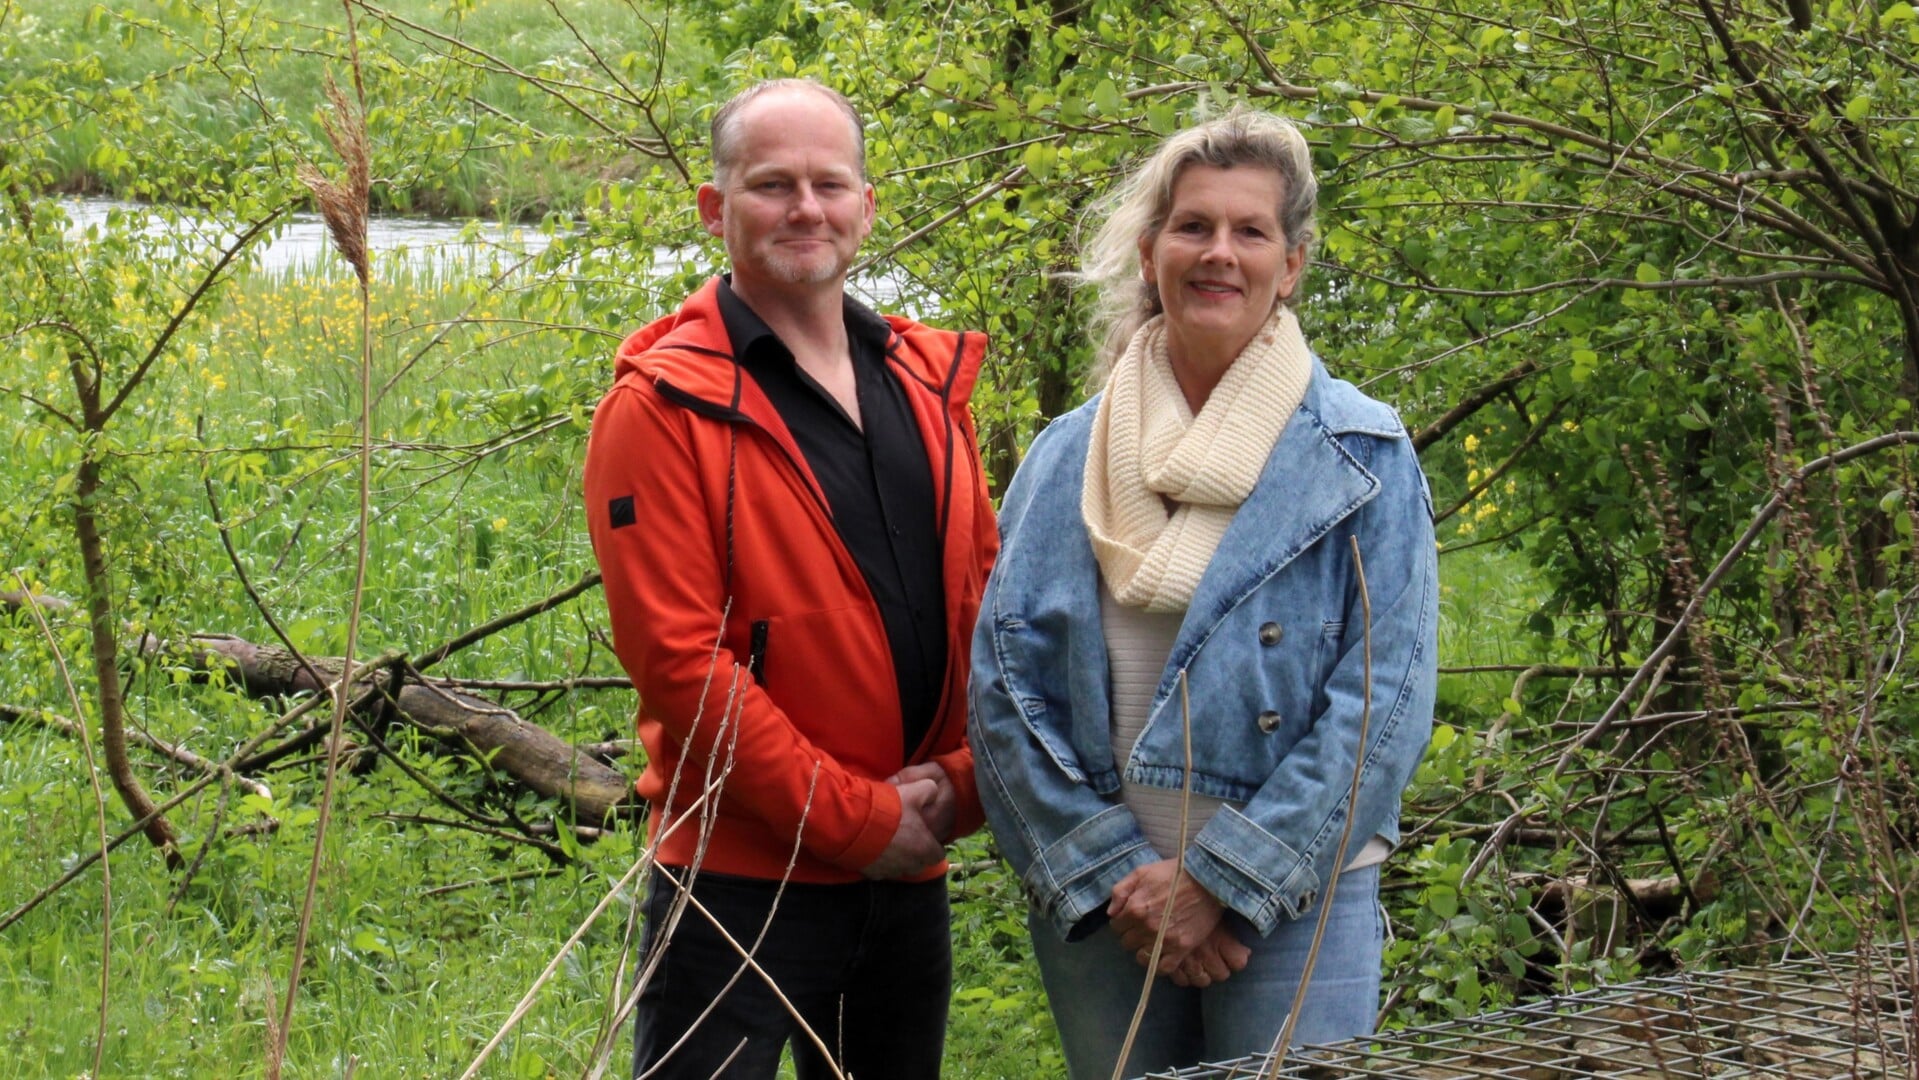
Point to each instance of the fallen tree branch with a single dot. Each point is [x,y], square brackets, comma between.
[497,736]
[180,754]
[80,865]
[529,832]
[15,600]
[1661,897]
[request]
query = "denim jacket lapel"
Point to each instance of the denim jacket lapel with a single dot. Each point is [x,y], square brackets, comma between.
[1310,483]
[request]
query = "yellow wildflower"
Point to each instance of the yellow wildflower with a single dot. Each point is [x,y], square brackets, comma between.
[1472,443]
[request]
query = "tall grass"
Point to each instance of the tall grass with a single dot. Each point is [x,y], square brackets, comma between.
[424,935]
[478,167]
[409,972]
[406,979]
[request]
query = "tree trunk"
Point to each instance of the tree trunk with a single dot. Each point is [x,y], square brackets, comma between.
[106,666]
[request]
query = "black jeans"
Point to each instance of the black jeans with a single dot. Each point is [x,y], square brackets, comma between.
[868,965]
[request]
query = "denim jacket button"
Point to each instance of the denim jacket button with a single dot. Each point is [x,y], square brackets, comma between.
[1270,634]
[1268,721]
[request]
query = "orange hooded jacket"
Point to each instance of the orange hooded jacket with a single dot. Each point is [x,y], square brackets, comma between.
[758,651]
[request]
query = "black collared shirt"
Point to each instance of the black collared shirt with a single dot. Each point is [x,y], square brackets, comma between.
[878,483]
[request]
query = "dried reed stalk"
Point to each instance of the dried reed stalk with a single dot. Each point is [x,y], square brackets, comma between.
[1285,1038]
[344,206]
[344,203]
[99,819]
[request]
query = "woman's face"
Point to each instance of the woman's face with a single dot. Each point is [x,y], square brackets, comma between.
[1221,261]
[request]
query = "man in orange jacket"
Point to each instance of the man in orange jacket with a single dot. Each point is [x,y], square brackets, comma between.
[785,498]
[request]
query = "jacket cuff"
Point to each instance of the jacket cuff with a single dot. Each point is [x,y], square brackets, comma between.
[1108,846]
[882,821]
[1251,871]
[967,814]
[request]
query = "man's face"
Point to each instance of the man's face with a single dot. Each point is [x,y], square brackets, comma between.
[793,209]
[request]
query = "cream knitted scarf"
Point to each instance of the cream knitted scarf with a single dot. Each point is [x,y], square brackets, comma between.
[1148,450]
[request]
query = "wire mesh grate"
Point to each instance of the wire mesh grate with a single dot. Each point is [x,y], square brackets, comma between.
[1838,1015]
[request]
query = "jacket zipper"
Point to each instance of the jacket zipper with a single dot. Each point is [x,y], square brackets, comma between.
[756,655]
[943,393]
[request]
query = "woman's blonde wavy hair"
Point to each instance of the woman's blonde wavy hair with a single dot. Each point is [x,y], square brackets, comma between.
[1109,265]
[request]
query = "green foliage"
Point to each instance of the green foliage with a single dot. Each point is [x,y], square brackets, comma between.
[1000,1025]
[1624,271]
[241,86]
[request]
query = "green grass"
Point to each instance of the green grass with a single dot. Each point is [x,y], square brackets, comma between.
[408,986]
[496,149]
[412,983]
[259,400]
[407,980]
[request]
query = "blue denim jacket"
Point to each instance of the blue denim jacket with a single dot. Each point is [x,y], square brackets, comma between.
[1273,648]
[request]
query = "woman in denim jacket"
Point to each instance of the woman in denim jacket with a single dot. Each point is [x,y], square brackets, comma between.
[1205,520]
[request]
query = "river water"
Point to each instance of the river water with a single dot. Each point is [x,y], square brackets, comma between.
[302,243]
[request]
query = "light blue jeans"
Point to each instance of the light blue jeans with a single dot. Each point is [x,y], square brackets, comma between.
[1093,986]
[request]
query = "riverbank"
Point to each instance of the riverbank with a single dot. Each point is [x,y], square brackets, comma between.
[301,245]
[468,153]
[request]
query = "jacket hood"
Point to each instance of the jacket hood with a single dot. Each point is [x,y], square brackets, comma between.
[687,348]
[689,351]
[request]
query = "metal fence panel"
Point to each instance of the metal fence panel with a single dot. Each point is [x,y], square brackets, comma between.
[1838,1015]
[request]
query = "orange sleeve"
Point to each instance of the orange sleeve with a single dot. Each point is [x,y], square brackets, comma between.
[665,595]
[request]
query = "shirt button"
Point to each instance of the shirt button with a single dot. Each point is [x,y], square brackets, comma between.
[1270,634]
[1268,721]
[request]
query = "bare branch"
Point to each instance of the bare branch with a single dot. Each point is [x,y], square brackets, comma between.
[1664,651]
[186,308]
[1478,399]
[485,630]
